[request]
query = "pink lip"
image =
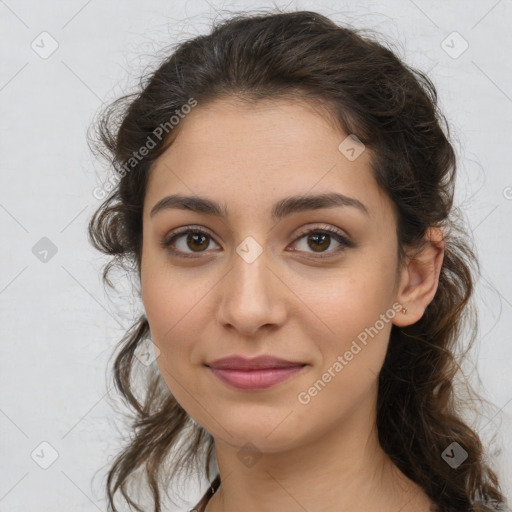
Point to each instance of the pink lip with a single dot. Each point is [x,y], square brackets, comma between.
[255,379]
[252,363]
[254,373]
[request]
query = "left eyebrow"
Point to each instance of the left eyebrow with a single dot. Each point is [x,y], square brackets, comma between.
[281,209]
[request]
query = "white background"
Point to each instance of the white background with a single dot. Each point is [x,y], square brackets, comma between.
[59,327]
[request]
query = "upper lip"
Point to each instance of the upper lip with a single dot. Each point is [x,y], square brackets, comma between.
[255,363]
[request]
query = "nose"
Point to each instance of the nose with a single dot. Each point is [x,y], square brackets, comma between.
[253,297]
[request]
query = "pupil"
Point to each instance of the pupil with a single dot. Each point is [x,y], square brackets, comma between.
[195,236]
[321,235]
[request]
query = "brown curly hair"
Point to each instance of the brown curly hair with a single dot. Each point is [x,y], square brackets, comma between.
[391,108]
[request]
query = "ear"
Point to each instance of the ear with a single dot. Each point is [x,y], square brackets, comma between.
[419,279]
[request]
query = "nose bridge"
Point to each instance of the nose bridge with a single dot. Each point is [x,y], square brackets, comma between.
[250,295]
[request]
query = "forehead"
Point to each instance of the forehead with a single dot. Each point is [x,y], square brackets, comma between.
[247,156]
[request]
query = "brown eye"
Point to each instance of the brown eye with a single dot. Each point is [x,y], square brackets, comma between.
[195,241]
[320,239]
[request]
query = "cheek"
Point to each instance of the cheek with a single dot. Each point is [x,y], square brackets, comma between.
[357,342]
[349,362]
[354,314]
[167,295]
[174,305]
[345,303]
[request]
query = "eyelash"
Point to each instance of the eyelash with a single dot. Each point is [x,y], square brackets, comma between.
[167,242]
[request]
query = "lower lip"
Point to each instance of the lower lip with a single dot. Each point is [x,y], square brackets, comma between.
[255,379]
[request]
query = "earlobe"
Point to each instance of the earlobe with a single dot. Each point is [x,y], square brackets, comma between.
[420,279]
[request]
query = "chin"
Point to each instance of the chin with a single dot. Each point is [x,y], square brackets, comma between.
[263,437]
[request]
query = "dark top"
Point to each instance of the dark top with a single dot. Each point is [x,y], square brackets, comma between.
[207,495]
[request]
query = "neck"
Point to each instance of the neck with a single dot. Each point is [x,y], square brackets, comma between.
[343,469]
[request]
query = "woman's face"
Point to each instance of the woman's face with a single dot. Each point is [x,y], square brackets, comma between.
[254,284]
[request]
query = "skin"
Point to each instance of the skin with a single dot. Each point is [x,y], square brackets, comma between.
[322,456]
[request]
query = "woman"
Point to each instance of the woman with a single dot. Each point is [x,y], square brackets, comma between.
[285,197]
